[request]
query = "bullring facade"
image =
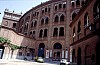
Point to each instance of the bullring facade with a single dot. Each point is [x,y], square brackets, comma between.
[43,30]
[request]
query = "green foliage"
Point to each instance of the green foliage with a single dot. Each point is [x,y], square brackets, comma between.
[12,46]
[4,40]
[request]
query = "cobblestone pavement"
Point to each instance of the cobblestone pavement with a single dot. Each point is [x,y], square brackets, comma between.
[22,62]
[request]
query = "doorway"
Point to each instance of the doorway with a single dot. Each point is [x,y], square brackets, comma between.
[41,50]
[1,51]
[79,56]
[57,51]
[98,53]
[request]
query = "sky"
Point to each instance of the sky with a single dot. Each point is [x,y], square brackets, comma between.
[18,5]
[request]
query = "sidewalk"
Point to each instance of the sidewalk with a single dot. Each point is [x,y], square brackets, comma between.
[23,62]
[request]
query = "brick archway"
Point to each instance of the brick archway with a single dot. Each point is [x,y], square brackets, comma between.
[41,50]
[57,51]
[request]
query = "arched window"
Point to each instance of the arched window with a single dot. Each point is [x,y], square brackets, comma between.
[45,33]
[62,17]
[86,20]
[73,16]
[64,5]
[33,35]
[72,4]
[42,11]
[27,26]
[49,9]
[60,6]
[55,32]
[56,19]
[77,2]
[45,9]
[55,7]
[46,20]
[57,46]
[41,33]
[14,25]
[30,32]
[32,24]
[35,23]
[61,32]
[42,21]
[27,19]
[82,3]
[79,27]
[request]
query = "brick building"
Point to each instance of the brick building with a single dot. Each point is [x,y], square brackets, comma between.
[85,43]
[44,29]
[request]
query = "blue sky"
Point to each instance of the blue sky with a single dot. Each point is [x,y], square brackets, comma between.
[18,5]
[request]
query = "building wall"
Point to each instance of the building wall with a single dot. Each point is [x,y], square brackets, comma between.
[85,41]
[18,40]
[50,40]
[57,8]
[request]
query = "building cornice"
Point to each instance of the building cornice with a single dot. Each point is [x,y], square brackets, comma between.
[96,32]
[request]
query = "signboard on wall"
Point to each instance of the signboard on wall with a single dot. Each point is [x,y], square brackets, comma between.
[66,56]
[47,53]
[50,53]
[62,53]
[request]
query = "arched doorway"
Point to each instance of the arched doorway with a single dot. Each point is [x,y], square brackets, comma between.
[57,53]
[98,53]
[1,51]
[41,50]
[87,55]
[79,56]
[73,55]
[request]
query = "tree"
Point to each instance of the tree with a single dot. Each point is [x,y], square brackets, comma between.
[8,42]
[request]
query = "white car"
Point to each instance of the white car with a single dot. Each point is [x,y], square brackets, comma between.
[64,62]
[40,59]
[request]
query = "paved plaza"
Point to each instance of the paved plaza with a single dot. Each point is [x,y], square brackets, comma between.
[23,62]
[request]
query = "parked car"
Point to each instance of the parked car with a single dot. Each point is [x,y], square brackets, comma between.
[39,59]
[64,62]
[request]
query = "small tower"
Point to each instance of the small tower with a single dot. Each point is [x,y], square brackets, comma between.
[10,19]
